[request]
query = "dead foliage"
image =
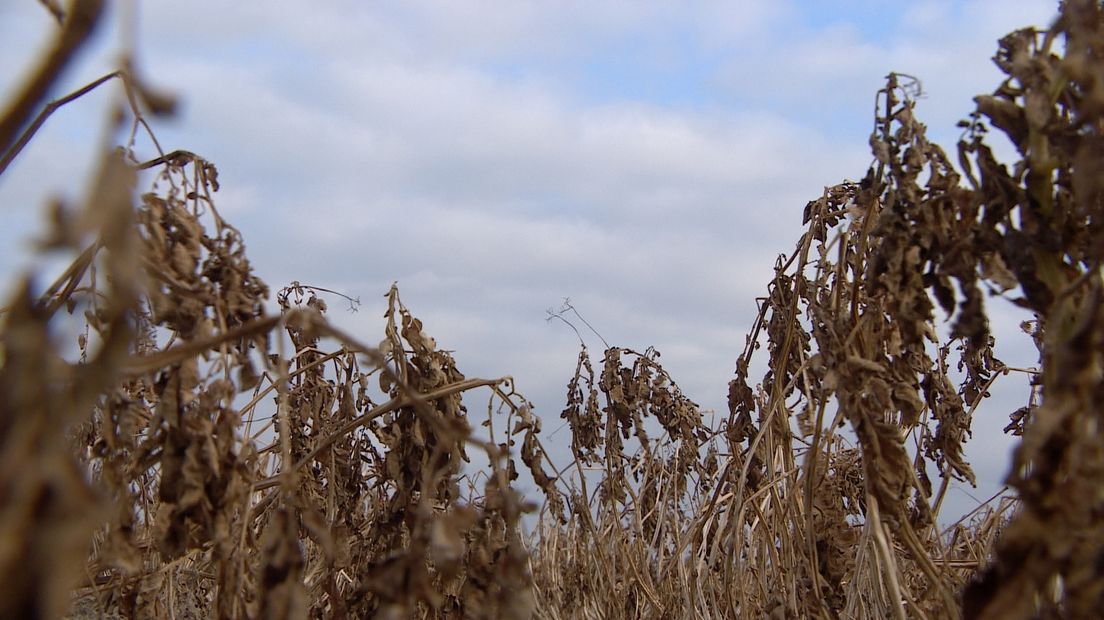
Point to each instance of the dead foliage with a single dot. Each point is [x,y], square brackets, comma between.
[797,521]
[198,454]
[194,455]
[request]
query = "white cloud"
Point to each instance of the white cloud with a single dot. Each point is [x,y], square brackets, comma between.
[947,45]
[454,147]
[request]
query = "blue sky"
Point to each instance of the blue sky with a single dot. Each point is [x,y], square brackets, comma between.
[648,160]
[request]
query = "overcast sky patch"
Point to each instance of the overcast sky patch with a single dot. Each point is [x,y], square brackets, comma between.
[648,161]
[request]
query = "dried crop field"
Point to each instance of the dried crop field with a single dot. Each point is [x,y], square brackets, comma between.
[198,455]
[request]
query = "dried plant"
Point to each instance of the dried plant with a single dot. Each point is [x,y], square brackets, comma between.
[198,455]
[797,521]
